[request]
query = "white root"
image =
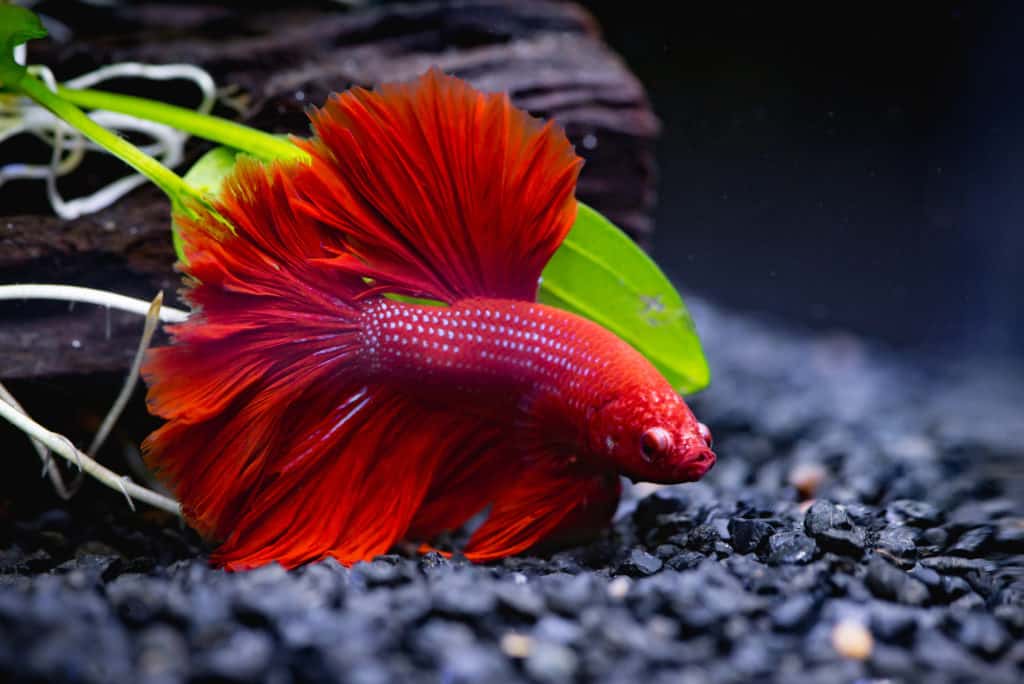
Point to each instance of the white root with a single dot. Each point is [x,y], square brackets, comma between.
[72,293]
[49,467]
[46,441]
[19,115]
[152,318]
[61,446]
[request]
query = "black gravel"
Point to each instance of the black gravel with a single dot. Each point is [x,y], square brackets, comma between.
[914,539]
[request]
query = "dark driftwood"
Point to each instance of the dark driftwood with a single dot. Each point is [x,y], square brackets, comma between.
[548,56]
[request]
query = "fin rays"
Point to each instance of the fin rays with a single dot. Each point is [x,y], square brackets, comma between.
[549,499]
[279,442]
[452,191]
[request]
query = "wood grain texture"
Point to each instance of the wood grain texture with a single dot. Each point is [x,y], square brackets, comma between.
[274,64]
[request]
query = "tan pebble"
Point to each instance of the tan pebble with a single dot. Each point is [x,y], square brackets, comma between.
[642,489]
[516,645]
[619,587]
[852,639]
[806,478]
[662,627]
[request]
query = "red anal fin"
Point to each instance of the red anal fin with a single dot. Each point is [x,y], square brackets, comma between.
[464,484]
[551,500]
[358,491]
[345,478]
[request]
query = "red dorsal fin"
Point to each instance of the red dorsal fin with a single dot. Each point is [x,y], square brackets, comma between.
[448,191]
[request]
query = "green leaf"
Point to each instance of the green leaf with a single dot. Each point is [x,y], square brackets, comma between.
[17,25]
[206,175]
[601,274]
[209,172]
[598,273]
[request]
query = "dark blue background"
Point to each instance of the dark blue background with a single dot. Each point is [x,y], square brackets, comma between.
[854,166]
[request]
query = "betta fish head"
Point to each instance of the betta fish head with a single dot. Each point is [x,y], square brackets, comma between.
[651,435]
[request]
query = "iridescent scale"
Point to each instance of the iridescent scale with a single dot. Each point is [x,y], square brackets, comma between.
[486,346]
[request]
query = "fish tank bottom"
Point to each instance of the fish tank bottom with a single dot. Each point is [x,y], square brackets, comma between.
[864,520]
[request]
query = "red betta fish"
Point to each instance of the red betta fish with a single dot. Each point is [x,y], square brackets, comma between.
[310,413]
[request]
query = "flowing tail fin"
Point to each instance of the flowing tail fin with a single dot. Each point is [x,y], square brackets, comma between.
[270,329]
[278,442]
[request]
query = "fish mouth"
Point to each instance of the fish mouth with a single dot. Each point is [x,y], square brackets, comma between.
[701,462]
[697,463]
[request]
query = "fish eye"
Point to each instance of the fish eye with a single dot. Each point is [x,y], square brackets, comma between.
[655,441]
[705,434]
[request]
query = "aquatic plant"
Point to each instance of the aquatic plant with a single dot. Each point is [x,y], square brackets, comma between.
[598,272]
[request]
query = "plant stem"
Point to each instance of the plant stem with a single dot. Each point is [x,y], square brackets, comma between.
[259,144]
[168,181]
[62,446]
[152,319]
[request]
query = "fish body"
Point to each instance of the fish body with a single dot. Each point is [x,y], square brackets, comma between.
[312,410]
[527,362]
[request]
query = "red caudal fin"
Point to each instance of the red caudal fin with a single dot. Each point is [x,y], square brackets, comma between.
[271,326]
[454,191]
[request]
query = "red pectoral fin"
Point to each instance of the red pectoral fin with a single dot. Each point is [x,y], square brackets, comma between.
[549,501]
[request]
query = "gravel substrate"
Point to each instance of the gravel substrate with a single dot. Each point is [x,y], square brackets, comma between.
[865,521]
